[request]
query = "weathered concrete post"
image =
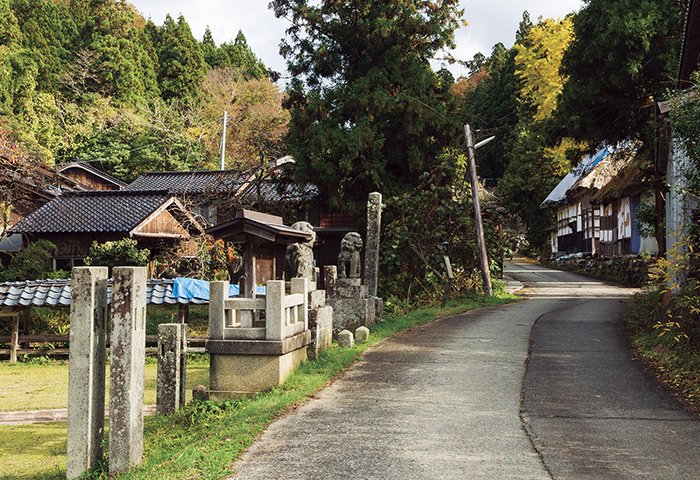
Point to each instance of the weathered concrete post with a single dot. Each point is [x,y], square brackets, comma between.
[86,371]
[128,354]
[172,363]
[374,224]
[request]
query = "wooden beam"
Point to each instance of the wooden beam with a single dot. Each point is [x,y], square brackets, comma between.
[183,312]
[27,323]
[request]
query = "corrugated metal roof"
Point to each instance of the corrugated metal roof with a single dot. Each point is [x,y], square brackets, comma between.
[58,293]
[197,182]
[558,195]
[96,211]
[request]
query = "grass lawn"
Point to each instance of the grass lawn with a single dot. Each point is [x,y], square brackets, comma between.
[44,383]
[203,439]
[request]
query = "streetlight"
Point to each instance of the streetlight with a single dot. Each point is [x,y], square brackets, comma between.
[483,256]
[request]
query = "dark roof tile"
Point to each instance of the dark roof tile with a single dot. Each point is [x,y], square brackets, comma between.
[98,211]
[197,182]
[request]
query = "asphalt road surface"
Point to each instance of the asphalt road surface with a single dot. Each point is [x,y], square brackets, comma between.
[539,389]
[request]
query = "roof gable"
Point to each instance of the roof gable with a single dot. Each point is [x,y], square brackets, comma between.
[88,170]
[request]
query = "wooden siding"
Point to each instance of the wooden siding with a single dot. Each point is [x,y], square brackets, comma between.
[164,224]
[89,180]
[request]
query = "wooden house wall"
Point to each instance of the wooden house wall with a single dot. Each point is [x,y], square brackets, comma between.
[616,228]
[164,224]
[89,180]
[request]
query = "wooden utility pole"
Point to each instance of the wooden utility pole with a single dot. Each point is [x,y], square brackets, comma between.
[483,256]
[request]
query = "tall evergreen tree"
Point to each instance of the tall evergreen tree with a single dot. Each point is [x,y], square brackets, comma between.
[624,53]
[181,60]
[367,111]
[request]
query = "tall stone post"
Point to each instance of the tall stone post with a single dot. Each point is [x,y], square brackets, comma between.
[86,370]
[374,223]
[128,354]
[172,363]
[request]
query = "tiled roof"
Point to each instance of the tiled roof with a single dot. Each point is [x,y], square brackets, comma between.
[97,211]
[198,182]
[274,191]
[58,293]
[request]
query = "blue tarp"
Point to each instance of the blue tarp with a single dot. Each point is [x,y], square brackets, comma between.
[199,289]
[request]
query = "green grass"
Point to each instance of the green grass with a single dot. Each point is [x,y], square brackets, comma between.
[203,439]
[41,383]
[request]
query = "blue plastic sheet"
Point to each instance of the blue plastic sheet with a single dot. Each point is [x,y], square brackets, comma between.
[199,289]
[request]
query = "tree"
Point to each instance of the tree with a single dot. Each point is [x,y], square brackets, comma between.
[624,54]
[237,56]
[491,107]
[367,111]
[537,158]
[32,263]
[181,60]
[539,62]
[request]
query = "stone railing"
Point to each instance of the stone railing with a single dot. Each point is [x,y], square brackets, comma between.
[237,318]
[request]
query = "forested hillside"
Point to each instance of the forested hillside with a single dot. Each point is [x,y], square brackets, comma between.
[92,80]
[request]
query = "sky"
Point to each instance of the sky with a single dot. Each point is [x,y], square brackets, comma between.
[490,22]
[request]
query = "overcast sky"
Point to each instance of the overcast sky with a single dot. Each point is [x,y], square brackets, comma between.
[490,22]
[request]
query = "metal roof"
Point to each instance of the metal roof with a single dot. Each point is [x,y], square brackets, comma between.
[95,211]
[558,195]
[58,293]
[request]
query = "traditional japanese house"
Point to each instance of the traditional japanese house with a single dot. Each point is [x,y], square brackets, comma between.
[72,221]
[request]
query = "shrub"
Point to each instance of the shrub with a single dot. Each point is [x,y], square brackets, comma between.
[32,263]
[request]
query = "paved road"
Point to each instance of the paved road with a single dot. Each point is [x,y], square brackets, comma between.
[592,410]
[443,401]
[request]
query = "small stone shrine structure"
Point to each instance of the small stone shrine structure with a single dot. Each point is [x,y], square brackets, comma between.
[355,303]
[256,340]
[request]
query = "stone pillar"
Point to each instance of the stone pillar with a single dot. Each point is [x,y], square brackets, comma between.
[86,370]
[274,310]
[374,223]
[128,354]
[172,363]
[218,293]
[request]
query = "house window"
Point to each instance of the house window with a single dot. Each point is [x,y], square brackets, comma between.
[67,263]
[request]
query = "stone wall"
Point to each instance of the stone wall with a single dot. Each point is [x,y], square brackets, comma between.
[633,271]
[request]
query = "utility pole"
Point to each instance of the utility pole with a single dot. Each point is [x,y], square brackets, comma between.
[223,141]
[483,256]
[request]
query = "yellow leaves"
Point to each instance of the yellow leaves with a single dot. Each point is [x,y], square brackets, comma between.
[539,63]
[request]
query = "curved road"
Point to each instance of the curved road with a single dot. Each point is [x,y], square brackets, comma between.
[540,389]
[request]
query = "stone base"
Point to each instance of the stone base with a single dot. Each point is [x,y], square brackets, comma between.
[240,368]
[238,376]
[351,313]
[321,325]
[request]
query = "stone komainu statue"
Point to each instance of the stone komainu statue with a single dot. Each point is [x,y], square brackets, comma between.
[299,259]
[349,265]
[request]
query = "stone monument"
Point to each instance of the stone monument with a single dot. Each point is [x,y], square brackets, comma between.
[349,261]
[299,259]
[354,301]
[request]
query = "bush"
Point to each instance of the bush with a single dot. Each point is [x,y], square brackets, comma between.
[32,263]
[122,252]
